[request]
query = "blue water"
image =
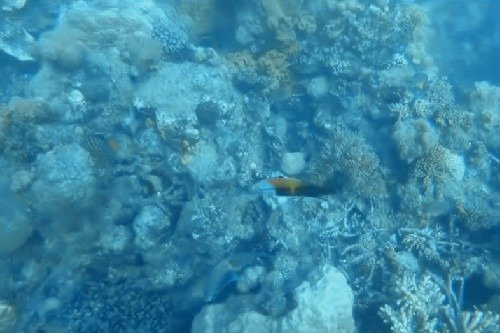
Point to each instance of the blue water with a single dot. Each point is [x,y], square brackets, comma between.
[273,166]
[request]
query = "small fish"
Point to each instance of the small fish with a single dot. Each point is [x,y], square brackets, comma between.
[286,187]
[100,148]
[227,271]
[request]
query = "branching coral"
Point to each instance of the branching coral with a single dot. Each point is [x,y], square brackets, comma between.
[441,165]
[430,305]
[242,61]
[476,209]
[429,244]
[272,68]
[275,65]
[348,154]
[476,321]
[364,253]
[417,307]
[440,94]
[414,137]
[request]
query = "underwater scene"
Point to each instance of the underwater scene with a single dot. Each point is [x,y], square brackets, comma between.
[253,166]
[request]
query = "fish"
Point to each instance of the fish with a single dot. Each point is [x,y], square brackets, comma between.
[102,149]
[226,272]
[288,187]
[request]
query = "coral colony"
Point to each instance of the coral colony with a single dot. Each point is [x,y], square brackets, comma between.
[246,166]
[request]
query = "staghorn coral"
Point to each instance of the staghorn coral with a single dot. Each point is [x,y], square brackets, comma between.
[417,306]
[356,30]
[431,244]
[453,119]
[476,322]
[429,305]
[364,258]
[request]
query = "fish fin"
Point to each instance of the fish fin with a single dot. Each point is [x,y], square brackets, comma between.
[263,187]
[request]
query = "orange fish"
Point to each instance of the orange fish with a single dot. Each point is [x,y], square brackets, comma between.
[286,187]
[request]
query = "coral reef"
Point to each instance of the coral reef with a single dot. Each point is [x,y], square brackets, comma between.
[106,306]
[414,138]
[15,225]
[133,135]
[421,310]
[347,152]
[151,227]
[64,178]
[323,304]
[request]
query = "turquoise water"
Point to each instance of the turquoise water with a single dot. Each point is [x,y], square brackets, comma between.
[249,166]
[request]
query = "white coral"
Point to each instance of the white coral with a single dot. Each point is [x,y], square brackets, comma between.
[322,306]
[478,322]
[417,306]
[423,303]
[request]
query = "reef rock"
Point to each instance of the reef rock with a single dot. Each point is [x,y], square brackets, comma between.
[64,180]
[324,304]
